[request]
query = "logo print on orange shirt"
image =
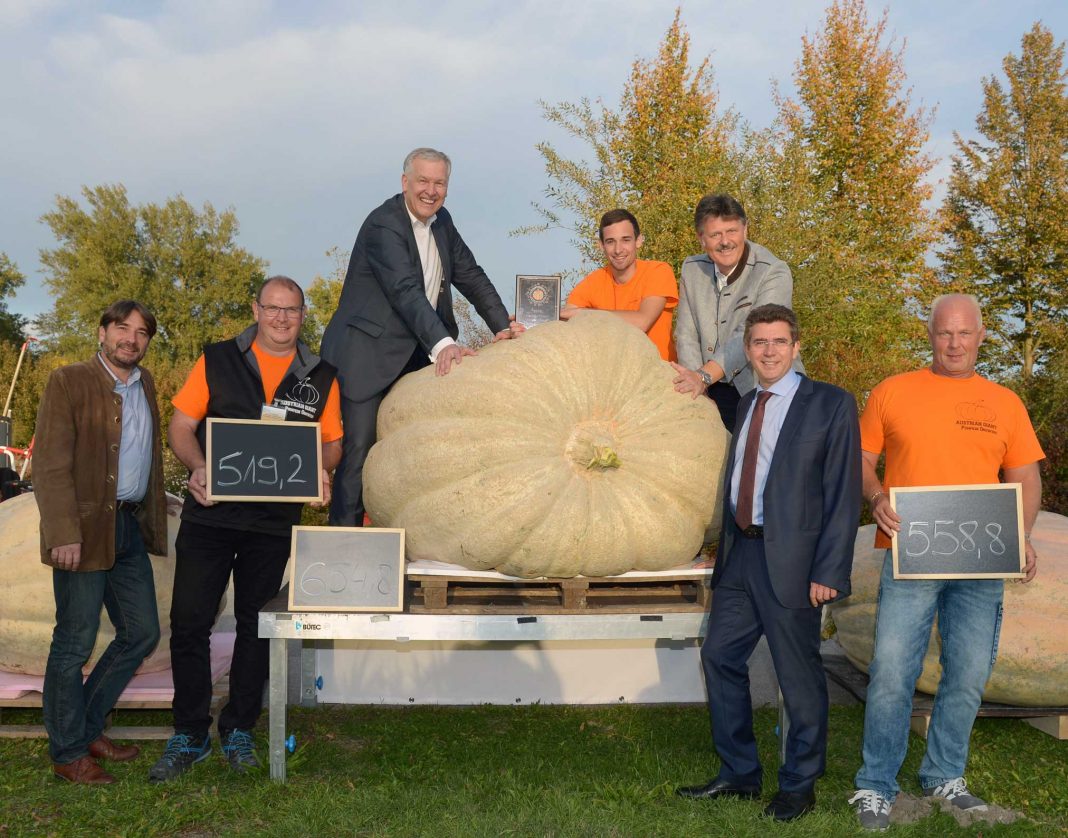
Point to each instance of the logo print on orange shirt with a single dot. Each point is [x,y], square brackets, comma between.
[976,416]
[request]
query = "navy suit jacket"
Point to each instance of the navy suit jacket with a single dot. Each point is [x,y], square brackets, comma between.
[811,497]
[383,313]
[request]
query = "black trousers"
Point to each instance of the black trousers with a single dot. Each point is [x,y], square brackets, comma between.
[726,398]
[743,608]
[204,560]
[360,420]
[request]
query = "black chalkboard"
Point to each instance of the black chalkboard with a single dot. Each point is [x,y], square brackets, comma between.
[260,460]
[959,532]
[347,569]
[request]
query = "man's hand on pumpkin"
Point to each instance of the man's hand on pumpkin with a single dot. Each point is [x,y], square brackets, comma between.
[451,354]
[687,381]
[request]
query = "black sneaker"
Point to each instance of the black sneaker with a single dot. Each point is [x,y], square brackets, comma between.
[181,754]
[956,792]
[873,810]
[240,751]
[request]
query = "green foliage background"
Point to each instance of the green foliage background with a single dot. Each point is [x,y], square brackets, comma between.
[837,186]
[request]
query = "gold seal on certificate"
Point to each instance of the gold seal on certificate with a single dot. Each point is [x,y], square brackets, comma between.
[537,299]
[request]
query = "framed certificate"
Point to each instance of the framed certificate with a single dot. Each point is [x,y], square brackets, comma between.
[537,299]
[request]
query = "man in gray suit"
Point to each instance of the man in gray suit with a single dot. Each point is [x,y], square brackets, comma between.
[395,312]
[717,289]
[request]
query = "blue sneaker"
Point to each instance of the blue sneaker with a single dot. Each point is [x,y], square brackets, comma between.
[181,754]
[240,751]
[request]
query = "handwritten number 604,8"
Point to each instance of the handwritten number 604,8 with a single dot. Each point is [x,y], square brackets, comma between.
[320,578]
[944,542]
[264,464]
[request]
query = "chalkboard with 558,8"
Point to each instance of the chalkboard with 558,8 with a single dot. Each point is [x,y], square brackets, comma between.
[959,532]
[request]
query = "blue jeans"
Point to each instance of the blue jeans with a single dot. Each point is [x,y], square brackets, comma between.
[74,713]
[969,622]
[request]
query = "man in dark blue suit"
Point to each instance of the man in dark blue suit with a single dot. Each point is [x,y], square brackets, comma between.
[395,312]
[791,505]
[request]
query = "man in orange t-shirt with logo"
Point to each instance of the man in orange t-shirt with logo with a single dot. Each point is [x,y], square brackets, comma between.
[940,426]
[642,293]
[266,372]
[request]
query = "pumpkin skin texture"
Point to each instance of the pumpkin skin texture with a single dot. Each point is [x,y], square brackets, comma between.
[564,452]
[1032,664]
[27,604]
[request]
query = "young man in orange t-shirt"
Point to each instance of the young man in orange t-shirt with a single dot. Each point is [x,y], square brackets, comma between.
[642,293]
[266,371]
[941,426]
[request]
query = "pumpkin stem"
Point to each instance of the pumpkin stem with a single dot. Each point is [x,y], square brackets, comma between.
[603,457]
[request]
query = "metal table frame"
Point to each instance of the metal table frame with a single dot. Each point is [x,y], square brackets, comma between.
[280,625]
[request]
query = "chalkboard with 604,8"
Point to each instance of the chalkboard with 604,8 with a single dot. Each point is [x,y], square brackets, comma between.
[959,532]
[347,569]
[255,460]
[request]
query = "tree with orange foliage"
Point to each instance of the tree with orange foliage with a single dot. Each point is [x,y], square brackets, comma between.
[838,186]
[655,155]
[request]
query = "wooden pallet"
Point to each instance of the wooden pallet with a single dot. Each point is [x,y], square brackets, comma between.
[458,594]
[1051,720]
[220,689]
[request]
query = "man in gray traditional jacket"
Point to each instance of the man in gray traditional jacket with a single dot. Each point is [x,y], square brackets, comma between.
[717,290]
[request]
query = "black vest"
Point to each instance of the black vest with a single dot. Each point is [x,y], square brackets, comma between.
[235,391]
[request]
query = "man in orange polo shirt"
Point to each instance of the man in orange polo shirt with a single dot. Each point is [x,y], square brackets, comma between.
[642,293]
[265,372]
[944,425]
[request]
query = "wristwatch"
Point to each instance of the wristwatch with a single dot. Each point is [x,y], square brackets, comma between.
[705,377]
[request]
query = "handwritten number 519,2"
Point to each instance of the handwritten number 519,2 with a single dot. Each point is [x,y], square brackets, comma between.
[268,471]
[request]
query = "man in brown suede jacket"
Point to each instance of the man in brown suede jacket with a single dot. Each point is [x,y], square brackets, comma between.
[98,481]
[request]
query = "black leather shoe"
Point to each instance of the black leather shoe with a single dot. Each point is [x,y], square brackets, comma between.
[718,788]
[787,805]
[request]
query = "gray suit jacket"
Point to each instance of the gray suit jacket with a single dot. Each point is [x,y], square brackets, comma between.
[709,324]
[383,313]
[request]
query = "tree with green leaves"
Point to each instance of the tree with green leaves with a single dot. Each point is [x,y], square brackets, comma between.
[322,295]
[1004,217]
[656,155]
[184,264]
[11,325]
[838,188]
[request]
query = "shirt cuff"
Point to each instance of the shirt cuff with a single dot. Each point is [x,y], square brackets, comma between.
[441,344]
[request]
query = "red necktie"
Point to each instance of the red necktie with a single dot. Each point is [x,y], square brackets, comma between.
[743,514]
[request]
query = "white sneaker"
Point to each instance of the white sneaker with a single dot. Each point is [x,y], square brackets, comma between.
[873,810]
[956,792]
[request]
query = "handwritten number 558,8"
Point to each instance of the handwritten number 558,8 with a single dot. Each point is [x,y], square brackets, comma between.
[942,541]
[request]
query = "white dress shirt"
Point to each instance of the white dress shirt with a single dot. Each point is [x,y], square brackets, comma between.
[775,411]
[433,274]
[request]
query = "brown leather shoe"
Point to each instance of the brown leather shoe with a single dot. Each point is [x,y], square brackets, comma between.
[84,770]
[104,748]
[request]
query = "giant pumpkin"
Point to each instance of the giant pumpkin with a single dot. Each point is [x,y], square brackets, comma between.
[564,452]
[28,607]
[1032,663]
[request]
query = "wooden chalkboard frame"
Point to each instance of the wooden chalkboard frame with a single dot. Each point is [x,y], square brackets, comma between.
[1012,566]
[286,427]
[298,572]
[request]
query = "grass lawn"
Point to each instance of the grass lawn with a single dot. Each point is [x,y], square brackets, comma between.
[515,771]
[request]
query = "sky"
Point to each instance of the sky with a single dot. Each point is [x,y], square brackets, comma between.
[298,115]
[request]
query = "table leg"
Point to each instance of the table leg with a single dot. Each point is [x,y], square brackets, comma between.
[276,708]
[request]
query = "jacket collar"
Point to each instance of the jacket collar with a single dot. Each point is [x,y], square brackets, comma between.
[304,360]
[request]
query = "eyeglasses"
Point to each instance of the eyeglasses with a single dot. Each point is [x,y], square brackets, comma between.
[764,343]
[275,311]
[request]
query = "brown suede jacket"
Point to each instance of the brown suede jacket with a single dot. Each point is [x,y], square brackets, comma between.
[76,465]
